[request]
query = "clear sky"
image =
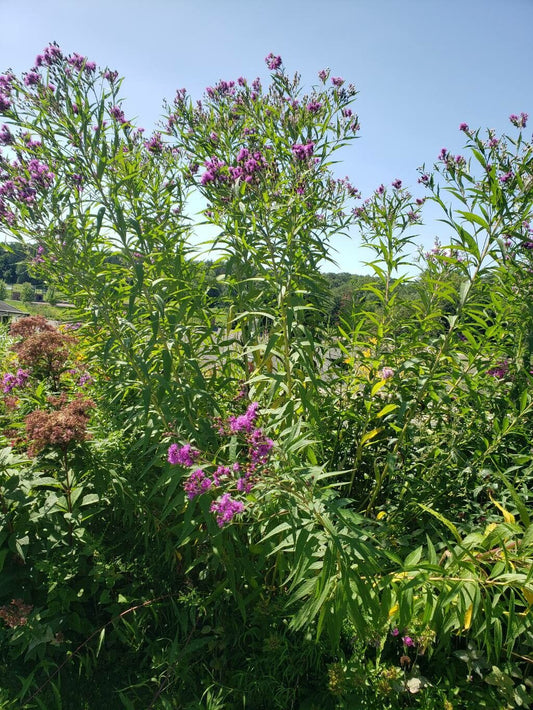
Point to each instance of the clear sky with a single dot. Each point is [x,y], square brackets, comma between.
[421,66]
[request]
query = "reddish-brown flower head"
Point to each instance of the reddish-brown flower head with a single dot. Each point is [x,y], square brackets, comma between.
[59,427]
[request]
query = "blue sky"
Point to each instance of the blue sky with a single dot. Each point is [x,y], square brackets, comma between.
[421,66]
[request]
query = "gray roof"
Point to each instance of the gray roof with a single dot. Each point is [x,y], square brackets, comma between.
[6,308]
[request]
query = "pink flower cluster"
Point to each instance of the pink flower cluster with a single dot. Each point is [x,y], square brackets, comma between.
[10,381]
[303,151]
[240,476]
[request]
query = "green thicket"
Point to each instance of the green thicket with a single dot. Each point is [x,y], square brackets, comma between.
[367,438]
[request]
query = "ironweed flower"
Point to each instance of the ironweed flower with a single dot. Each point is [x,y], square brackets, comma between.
[244,422]
[303,152]
[184,456]
[519,121]
[500,371]
[226,508]
[196,484]
[273,62]
[10,381]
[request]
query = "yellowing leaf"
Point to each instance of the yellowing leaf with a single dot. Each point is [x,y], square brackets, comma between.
[468,618]
[369,435]
[377,387]
[490,527]
[393,610]
[528,595]
[507,516]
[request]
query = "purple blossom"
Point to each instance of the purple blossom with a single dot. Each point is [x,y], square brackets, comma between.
[337,81]
[40,173]
[464,127]
[215,171]
[386,373]
[396,184]
[154,144]
[408,641]
[196,484]
[111,76]
[347,112]
[260,446]
[303,152]
[10,381]
[273,62]
[506,177]
[395,632]
[244,422]
[500,371]
[314,106]
[6,83]
[6,137]
[323,75]
[443,155]
[118,114]
[424,179]
[5,103]
[32,78]
[85,379]
[225,509]
[184,455]
[51,55]
[519,121]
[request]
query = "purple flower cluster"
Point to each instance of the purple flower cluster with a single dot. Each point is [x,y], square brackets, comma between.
[81,63]
[226,508]
[242,476]
[337,81]
[250,165]
[6,137]
[260,446]
[216,171]
[154,144]
[223,88]
[506,177]
[40,173]
[51,55]
[32,78]
[303,151]
[5,103]
[184,455]
[464,127]
[118,114]
[10,381]
[111,76]
[500,371]
[519,121]
[196,484]
[273,62]
[244,422]
[314,106]
[396,184]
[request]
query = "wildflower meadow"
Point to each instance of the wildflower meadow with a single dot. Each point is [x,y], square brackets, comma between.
[216,490]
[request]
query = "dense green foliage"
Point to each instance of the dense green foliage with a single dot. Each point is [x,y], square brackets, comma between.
[289,494]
